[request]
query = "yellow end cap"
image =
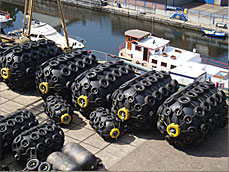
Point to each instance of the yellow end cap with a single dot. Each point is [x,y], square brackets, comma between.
[82,101]
[123,114]
[66,119]
[44,87]
[173,130]
[5,73]
[114,133]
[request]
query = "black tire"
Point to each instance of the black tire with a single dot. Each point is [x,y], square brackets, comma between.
[32,165]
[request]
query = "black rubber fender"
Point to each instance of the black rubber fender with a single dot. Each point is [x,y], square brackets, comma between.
[57,74]
[58,109]
[94,87]
[136,102]
[13,124]
[191,113]
[106,124]
[21,62]
[44,138]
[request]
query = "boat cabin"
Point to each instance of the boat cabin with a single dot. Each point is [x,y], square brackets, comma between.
[143,48]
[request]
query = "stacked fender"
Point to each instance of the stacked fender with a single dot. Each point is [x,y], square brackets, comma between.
[56,75]
[14,124]
[58,109]
[40,141]
[136,101]
[106,124]
[21,62]
[82,156]
[94,87]
[188,115]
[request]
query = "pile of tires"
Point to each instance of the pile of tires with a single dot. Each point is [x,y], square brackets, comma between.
[19,65]
[14,124]
[94,87]
[58,109]
[39,141]
[136,101]
[106,124]
[56,75]
[188,115]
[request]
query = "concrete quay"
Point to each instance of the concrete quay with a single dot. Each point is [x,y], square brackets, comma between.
[150,13]
[131,152]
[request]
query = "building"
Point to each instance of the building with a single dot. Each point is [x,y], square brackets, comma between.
[216,2]
[183,2]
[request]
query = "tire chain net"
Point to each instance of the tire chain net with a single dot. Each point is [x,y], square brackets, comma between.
[103,122]
[59,72]
[141,97]
[196,109]
[14,124]
[55,107]
[98,83]
[23,60]
[45,138]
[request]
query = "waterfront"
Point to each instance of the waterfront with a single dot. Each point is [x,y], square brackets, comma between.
[104,31]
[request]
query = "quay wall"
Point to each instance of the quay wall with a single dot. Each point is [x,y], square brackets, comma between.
[148,13]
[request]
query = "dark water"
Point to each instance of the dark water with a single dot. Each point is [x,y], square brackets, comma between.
[104,32]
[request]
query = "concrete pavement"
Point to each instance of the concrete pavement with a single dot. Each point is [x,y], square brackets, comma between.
[138,152]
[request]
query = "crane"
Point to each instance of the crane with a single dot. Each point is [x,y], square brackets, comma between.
[30,12]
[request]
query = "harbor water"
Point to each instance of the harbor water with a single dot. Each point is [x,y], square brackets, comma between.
[104,31]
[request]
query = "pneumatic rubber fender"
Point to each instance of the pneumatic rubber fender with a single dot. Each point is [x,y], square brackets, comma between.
[20,64]
[5,48]
[106,124]
[58,109]
[188,115]
[63,162]
[56,75]
[14,124]
[136,102]
[82,156]
[94,87]
[44,138]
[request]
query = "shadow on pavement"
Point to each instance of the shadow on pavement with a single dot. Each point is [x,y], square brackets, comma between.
[215,144]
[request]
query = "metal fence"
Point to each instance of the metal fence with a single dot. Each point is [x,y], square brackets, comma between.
[145,7]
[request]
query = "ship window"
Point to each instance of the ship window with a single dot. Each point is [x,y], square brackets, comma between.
[163,64]
[154,61]
[172,66]
[138,48]
[134,39]
[41,36]
[33,35]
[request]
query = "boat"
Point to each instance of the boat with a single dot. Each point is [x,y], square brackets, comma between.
[40,30]
[143,48]
[213,33]
[4,18]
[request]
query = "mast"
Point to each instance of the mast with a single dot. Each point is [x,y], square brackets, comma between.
[25,12]
[30,16]
[63,23]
